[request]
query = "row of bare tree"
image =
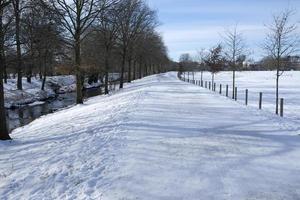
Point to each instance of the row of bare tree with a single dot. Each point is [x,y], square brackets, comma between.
[282,42]
[97,37]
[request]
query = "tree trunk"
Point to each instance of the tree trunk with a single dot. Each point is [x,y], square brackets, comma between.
[122,70]
[18,42]
[146,70]
[3,59]
[4,69]
[129,70]
[79,96]
[40,65]
[29,74]
[277,91]
[40,73]
[3,126]
[106,75]
[134,70]
[44,80]
[140,69]
[45,75]
[201,76]
[233,84]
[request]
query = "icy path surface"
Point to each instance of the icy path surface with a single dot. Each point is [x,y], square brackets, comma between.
[159,138]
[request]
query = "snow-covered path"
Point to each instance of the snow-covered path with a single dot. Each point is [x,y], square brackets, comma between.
[159,138]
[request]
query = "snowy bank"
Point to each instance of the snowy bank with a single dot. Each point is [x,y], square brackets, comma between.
[159,138]
[32,91]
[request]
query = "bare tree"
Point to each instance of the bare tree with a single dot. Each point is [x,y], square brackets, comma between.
[234,46]
[201,60]
[185,61]
[18,6]
[6,40]
[3,126]
[108,29]
[281,42]
[77,16]
[133,18]
[151,49]
[214,61]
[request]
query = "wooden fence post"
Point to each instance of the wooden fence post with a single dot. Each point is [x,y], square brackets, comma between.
[214,87]
[281,107]
[201,83]
[226,90]
[209,85]
[260,100]
[205,84]
[235,95]
[246,97]
[220,89]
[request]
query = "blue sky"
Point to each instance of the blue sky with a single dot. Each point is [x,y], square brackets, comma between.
[190,25]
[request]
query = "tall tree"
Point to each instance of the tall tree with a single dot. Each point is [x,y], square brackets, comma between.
[201,60]
[18,6]
[42,40]
[77,16]
[281,42]
[108,29]
[214,61]
[133,18]
[235,47]
[7,36]
[3,126]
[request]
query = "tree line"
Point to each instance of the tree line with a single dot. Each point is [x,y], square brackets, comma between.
[281,46]
[92,38]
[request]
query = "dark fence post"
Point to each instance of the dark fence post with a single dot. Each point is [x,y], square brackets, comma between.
[226,90]
[205,84]
[281,107]
[235,95]
[201,83]
[220,89]
[246,97]
[209,85]
[214,87]
[260,100]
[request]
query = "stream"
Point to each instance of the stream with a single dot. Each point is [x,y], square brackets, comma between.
[24,115]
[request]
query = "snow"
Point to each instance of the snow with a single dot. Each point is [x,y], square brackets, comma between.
[159,138]
[32,92]
[265,82]
[37,103]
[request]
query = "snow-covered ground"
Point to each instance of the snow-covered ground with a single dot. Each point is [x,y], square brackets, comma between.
[32,91]
[263,81]
[159,138]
